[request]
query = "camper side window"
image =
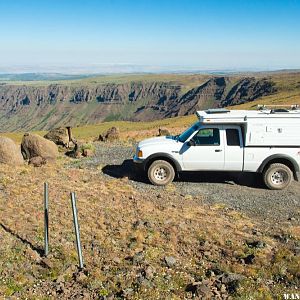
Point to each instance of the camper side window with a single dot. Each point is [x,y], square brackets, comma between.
[232,137]
[207,137]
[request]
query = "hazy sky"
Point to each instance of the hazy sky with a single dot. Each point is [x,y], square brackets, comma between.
[207,34]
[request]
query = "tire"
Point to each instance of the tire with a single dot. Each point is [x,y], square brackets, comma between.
[277,176]
[160,172]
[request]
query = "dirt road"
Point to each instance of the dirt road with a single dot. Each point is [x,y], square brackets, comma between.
[243,192]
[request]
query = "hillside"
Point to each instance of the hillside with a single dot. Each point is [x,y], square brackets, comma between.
[40,105]
[202,237]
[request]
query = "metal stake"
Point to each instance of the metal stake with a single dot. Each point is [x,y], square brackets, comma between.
[77,231]
[46,218]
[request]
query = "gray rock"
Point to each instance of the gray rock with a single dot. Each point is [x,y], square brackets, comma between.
[230,277]
[170,261]
[138,258]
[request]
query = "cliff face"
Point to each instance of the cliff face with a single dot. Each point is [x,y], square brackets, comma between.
[14,96]
[29,107]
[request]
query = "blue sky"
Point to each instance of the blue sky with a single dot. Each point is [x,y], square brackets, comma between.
[199,34]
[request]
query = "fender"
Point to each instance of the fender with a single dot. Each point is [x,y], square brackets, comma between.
[161,155]
[296,170]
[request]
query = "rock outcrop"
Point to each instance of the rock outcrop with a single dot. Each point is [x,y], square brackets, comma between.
[220,92]
[59,136]
[9,152]
[246,90]
[34,145]
[112,134]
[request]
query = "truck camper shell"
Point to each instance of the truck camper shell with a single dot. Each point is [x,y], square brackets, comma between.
[262,128]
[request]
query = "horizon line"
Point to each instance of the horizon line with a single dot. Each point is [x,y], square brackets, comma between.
[153,70]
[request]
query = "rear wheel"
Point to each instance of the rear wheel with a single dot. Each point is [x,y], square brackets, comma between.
[277,176]
[161,172]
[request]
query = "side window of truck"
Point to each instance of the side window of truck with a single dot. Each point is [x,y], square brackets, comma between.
[207,137]
[232,137]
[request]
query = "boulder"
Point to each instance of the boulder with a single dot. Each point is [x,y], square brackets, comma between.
[163,132]
[9,152]
[59,136]
[37,161]
[34,145]
[112,134]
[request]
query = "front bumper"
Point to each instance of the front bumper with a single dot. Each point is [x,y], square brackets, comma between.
[138,160]
[138,164]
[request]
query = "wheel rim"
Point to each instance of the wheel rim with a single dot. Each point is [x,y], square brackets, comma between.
[279,177]
[161,173]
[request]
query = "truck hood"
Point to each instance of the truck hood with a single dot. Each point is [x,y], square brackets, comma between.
[162,140]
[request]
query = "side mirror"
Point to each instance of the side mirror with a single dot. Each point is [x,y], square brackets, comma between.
[191,143]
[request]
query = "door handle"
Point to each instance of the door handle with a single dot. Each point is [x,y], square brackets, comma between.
[218,150]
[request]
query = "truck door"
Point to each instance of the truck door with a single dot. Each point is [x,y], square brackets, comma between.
[205,150]
[234,148]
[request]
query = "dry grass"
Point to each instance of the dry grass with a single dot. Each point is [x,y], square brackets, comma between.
[117,222]
[128,130]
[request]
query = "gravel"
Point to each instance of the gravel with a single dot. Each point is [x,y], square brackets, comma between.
[243,192]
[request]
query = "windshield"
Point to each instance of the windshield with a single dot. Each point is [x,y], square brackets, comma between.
[186,134]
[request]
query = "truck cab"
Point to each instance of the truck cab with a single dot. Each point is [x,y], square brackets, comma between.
[222,140]
[213,147]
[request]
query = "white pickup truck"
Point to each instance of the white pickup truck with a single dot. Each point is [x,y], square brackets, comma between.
[265,141]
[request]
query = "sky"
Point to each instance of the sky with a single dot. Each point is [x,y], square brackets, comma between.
[111,35]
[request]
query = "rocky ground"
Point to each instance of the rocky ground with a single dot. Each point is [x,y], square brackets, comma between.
[205,236]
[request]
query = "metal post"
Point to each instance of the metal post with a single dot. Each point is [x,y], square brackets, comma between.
[77,232]
[46,218]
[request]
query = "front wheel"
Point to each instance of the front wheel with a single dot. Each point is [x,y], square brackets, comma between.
[161,172]
[277,176]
